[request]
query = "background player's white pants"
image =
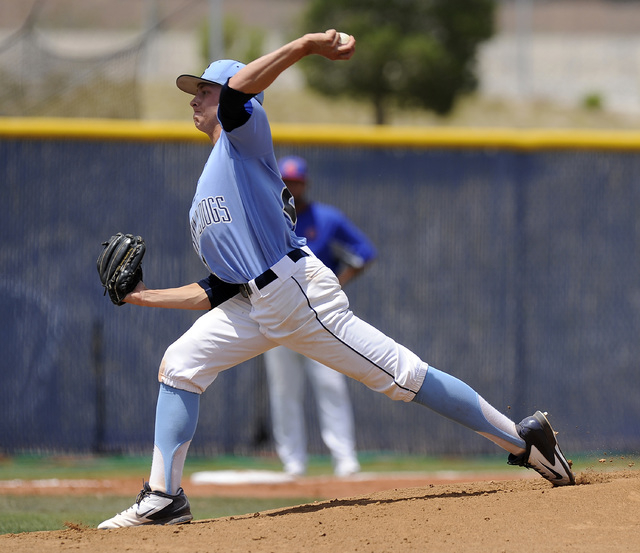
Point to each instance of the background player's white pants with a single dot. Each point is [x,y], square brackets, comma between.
[287,372]
[304,309]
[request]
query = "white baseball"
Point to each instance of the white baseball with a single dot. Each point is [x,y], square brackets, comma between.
[343,38]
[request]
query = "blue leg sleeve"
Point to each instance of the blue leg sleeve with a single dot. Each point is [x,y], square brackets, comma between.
[452,398]
[176,421]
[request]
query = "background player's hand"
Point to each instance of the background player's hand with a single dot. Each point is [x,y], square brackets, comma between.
[328,45]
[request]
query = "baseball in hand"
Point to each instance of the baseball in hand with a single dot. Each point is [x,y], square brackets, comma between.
[343,38]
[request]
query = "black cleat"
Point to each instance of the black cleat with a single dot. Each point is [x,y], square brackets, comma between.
[543,452]
[152,508]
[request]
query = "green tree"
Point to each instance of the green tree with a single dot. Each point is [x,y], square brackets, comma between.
[410,53]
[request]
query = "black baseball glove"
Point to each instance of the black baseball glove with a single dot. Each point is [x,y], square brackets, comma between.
[120,265]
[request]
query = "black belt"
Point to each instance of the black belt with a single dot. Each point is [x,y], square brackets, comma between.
[269,276]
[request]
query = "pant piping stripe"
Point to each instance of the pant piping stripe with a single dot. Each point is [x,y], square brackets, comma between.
[347,345]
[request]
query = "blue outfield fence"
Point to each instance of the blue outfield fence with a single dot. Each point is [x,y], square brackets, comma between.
[510,259]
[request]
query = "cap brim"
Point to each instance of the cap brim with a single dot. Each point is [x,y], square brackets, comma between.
[189,83]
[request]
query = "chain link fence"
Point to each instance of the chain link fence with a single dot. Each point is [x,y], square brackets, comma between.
[515,270]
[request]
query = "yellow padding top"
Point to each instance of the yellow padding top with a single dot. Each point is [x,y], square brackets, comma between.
[348,135]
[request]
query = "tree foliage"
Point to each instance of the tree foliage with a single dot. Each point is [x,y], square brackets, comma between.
[414,53]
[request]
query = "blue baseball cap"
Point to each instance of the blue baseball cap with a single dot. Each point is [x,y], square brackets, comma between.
[219,72]
[293,168]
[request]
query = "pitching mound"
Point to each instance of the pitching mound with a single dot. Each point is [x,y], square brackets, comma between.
[599,514]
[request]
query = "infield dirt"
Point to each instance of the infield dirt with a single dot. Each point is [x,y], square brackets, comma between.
[599,514]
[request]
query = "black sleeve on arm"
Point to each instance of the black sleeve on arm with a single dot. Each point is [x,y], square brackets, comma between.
[234,109]
[218,290]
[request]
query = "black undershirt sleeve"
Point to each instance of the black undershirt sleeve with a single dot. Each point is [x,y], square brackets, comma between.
[217,290]
[234,109]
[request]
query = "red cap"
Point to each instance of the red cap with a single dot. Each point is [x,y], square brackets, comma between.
[293,168]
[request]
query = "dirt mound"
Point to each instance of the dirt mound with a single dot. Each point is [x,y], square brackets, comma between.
[599,514]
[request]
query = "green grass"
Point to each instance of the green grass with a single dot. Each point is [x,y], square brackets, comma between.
[29,467]
[34,513]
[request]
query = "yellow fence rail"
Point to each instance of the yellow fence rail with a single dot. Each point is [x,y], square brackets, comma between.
[368,136]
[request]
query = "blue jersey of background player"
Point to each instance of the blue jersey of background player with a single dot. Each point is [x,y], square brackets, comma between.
[339,243]
[346,250]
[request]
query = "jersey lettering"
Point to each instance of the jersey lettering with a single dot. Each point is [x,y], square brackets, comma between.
[289,207]
[194,238]
[209,211]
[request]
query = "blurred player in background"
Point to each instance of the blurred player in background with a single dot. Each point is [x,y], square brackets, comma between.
[346,250]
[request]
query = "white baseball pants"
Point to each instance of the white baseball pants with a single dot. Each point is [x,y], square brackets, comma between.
[304,309]
[287,372]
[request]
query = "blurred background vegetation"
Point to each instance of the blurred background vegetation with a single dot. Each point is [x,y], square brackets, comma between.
[515,63]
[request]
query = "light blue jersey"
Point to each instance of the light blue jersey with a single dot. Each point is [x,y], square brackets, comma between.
[242,217]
